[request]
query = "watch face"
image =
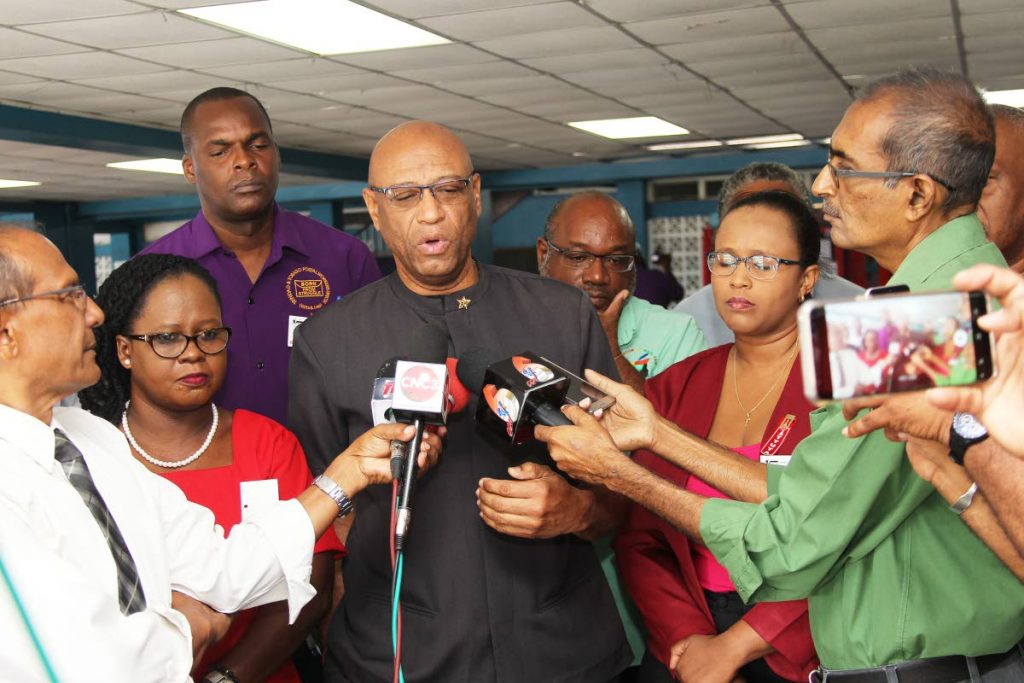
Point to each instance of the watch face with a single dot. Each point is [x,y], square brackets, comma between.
[967,427]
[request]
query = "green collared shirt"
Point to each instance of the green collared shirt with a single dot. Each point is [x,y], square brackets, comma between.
[890,573]
[653,338]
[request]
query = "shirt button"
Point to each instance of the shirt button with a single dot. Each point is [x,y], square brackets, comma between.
[259,365]
[251,301]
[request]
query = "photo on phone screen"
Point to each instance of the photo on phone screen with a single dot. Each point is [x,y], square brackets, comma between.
[892,343]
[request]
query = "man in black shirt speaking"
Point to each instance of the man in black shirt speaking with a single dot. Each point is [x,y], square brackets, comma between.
[500,580]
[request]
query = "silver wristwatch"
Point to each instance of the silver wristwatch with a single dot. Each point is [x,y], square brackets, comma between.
[331,488]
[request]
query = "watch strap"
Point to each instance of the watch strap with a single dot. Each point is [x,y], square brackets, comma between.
[964,501]
[959,443]
[220,674]
[337,494]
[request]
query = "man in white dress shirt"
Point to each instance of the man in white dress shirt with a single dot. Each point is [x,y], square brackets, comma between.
[107,580]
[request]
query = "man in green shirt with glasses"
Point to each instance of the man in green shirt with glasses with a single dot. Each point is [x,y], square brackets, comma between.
[899,587]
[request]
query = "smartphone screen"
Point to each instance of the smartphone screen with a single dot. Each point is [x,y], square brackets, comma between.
[891,343]
[580,389]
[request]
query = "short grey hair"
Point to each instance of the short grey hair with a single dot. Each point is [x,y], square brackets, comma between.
[15,279]
[757,171]
[941,127]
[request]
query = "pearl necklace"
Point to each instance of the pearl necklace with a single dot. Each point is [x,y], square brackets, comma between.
[164,463]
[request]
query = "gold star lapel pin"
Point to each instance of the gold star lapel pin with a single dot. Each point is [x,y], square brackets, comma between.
[463,303]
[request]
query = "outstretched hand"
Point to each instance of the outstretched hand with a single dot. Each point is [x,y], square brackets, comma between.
[368,457]
[999,402]
[583,450]
[631,421]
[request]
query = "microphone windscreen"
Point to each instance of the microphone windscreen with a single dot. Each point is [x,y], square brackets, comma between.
[456,389]
[428,344]
[473,364]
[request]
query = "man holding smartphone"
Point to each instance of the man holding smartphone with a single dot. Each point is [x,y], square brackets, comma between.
[895,582]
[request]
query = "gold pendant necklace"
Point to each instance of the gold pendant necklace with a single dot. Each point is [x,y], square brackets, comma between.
[748,414]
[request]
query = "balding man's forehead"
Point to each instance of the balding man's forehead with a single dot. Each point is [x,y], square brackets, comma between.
[418,152]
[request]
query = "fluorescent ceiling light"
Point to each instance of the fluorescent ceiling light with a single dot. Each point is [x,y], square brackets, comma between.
[696,144]
[151,165]
[762,139]
[4,184]
[636,127]
[324,27]
[781,143]
[1013,98]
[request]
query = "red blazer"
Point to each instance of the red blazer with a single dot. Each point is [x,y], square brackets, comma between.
[655,559]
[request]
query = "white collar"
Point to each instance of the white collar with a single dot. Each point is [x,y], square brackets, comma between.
[29,435]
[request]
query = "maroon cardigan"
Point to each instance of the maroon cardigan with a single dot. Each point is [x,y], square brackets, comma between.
[655,560]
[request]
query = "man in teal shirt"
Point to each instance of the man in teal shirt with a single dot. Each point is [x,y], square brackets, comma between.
[893,577]
[589,243]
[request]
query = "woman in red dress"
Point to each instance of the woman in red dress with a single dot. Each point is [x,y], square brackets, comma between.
[749,397]
[162,356]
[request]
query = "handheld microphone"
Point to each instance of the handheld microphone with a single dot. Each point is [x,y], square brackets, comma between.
[420,398]
[517,393]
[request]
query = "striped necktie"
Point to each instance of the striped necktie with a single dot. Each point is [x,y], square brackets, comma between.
[129,588]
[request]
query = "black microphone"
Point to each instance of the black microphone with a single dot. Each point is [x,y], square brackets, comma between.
[516,393]
[420,398]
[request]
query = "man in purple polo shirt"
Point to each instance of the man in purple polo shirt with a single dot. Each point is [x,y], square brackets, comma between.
[274,268]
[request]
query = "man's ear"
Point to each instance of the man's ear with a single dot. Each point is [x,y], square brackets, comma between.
[924,197]
[186,166]
[370,199]
[8,338]
[542,252]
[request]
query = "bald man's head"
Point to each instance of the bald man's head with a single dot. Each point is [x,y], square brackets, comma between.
[424,199]
[411,144]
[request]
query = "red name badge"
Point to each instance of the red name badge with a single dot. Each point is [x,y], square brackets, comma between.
[778,437]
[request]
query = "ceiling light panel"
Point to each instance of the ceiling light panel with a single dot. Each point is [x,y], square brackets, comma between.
[633,127]
[172,166]
[324,27]
[6,184]
[1014,98]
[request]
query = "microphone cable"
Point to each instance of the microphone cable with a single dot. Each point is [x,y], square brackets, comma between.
[396,589]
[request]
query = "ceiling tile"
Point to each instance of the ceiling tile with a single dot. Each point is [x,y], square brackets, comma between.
[996,22]
[296,69]
[79,65]
[814,14]
[132,30]
[870,34]
[211,53]
[609,59]
[625,12]
[498,86]
[155,83]
[417,9]
[443,76]
[15,43]
[711,26]
[983,6]
[754,47]
[663,73]
[8,78]
[415,57]
[15,12]
[551,43]
[512,21]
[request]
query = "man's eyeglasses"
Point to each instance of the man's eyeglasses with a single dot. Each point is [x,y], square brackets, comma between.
[838,173]
[759,266]
[581,260]
[75,294]
[172,344]
[445,191]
